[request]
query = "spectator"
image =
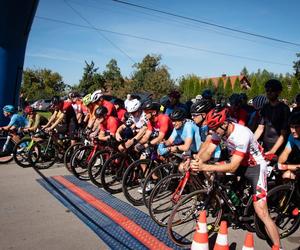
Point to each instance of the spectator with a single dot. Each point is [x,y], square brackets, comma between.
[174,97]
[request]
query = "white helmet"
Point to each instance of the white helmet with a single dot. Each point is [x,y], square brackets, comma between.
[96,95]
[133,105]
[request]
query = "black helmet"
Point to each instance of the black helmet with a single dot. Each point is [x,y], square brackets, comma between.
[118,101]
[202,106]
[207,94]
[178,115]
[294,119]
[55,100]
[244,97]
[273,85]
[150,105]
[297,98]
[101,112]
[235,99]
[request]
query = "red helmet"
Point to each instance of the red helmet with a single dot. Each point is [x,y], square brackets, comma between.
[216,117]
[28,110]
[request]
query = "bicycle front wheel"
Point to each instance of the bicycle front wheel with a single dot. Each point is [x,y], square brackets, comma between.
[183,219]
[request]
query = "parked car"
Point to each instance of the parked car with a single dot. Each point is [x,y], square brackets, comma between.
[42,105]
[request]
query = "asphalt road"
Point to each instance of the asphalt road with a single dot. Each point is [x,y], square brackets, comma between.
[31,218]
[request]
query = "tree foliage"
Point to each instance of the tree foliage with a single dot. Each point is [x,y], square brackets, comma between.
[41,84]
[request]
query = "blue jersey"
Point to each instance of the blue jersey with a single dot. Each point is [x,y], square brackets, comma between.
[188,130]
[18,121]
[292,142]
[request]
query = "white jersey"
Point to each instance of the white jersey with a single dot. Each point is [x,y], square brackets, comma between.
[242,142]
[139,121]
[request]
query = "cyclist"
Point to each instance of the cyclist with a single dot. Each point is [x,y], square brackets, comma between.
[16,121]
[35,120]
[289,159]
[119,106]
[63,119]
[98,98]
[77,105]
[274,122]
[174,102]
[108,124]
[245,153]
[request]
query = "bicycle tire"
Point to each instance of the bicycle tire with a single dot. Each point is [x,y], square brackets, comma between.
[112,172]
[20,152]
[187,224]
[68,155]
[161,202]
[159,172]
[133,179]
[79,164]
[6,157]
[95,165]
[281,203]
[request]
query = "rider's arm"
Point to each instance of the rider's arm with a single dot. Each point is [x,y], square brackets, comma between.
[102,136]
[52,118]
[119,130]
[259,131]
[207,149]
[230,167]
[146,136]
[279,142]
[58,120]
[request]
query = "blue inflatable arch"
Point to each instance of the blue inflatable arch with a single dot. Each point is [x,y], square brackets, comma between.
[16,18]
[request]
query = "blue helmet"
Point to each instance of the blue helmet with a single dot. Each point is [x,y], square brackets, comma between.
[9,109]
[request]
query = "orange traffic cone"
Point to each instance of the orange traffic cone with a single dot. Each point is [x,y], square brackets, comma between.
[200,240]
[249,242]
[222,238]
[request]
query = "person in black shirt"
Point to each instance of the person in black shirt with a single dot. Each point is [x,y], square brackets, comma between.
[297,108]
[273,126]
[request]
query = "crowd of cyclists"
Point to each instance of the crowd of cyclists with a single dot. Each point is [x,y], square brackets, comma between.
[233,135]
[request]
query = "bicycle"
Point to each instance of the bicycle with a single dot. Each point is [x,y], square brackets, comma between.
[7,144]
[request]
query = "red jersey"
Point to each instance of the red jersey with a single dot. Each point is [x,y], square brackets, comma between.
[110,125]
[110,107]
[162,123]
[240,116]
[121,112]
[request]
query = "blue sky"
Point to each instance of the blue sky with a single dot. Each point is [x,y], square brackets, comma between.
[64,48]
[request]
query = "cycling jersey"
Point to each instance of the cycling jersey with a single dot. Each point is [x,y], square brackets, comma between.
[239,116]
[188,130]
[139,121]
[242,142]
[110,125]
[78,106]
[18,121]
[120,113]
[37,121]
[292,142]
[162,123]
[70,115]
[110,108]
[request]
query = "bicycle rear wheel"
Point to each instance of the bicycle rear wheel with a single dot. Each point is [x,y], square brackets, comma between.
[68,154]
[6,155]
[79,162]
[183,219]
[21,151]
[282,202]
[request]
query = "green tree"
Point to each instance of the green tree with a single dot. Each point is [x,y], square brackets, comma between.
[254,91]
[220,87]
[91,79]
[237,86]
[114,82]
[296,66]
[245,72]
[42,84]
[152,77]
[228,87]
[189,86]
[211,86]
[295,89]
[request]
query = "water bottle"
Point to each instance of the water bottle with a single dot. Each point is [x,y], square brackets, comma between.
[233,197]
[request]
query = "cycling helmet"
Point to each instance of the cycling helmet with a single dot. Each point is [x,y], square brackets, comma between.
[273,85]
[174,94]
[55,100]
[235,100]
[72,95]
[259,101]
[297,98]
[133,105]
[150,105]
[178,115]
[28,110]
[118,101]
[87,99]
[294,119]
[9,109]
[96,95]
[244,97]
[202,106]
[207,94]
[101,112]
[162,149]
[164,101]
[216,117]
